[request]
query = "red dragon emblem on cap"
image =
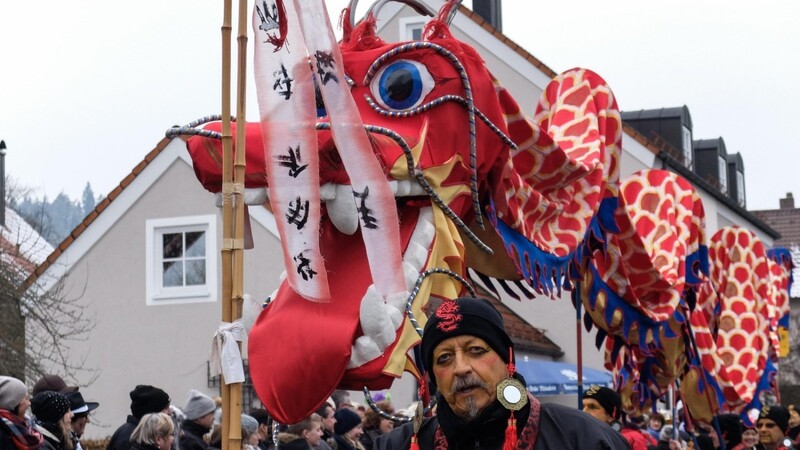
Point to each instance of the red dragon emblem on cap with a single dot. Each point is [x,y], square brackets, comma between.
[448,312]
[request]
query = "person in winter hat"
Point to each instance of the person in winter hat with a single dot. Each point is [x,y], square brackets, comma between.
[145,399]
[15,432]
[199,412]
[481,400]
[51,382]
[80,416]
[772,425]
[602,403]
[347,431]
[53,416]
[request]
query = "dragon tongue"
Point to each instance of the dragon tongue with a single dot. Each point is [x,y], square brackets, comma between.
[298,350]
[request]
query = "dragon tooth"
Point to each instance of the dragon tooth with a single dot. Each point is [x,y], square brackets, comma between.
[342,210]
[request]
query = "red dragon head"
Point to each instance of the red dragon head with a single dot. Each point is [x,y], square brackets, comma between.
[414,165]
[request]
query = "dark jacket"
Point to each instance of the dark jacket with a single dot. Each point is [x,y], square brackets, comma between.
[341,443]
[121,439]
[288,441]
[368,438]
[136,446]
[192,438]
[52,436]
[559,428]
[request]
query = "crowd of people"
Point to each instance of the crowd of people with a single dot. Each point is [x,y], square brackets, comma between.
[775,427]
[481,404]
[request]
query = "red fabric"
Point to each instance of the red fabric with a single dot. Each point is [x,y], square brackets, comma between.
[638,439]
[206,156]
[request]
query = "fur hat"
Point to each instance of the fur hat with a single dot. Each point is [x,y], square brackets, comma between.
[52,383]
[147,399]
[346,420]
[608,399]
[12,391]
[198,405]
[777,414]
[464,316]
[49,406]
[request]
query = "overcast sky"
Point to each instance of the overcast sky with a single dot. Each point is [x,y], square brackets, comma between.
[88,88]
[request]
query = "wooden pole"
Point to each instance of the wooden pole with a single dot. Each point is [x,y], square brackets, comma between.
[237,288]
[227,207]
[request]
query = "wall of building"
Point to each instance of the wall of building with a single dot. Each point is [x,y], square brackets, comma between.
[134,343]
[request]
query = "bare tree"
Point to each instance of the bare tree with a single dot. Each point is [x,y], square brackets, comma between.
[37,326]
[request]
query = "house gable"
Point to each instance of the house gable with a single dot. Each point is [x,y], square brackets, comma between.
[109,211]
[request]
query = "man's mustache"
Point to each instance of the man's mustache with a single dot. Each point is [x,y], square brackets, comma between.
[470,381]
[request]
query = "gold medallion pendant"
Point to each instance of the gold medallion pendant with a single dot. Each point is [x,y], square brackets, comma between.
[512,394]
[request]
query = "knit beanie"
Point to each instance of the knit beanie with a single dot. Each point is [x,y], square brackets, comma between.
[730,428]
[147,399]
[472,316]
[249,423]
[198,405]
[12,391]
[607,398]
[346,420]
[49,406]
[777,414]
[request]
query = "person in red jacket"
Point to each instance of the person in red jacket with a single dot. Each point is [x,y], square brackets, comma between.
[605,404]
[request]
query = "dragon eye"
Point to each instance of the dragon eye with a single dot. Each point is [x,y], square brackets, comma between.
[402,85]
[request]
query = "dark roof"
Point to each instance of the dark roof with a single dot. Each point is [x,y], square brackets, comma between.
[681,112]
[785,221]
[716,143]
[736,158]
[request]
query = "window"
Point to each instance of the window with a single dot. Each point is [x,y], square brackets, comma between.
[411,28]
[722,164]
[740,188]
[181,260]
[687,146]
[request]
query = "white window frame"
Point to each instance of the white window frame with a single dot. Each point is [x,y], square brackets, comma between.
[687,146]
[408,25]
[156,294]
[722,167]
[740,188]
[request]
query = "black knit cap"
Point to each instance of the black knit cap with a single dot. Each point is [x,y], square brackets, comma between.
[49,406]
[148,399]
[464,316]
[777,414]
[608,399]
[346,420]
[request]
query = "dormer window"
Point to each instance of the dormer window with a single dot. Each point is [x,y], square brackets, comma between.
[740,188]
[687,146]
[723,174]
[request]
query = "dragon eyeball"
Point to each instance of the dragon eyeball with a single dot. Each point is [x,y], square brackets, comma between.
[402,85]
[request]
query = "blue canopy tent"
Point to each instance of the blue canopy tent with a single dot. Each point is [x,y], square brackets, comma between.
[553,378]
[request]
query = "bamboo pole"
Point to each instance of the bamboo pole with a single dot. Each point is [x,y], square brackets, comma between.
[227,207]
[237,285]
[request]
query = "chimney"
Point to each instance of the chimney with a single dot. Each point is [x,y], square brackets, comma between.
[490,11]
[788,202]
[3,183]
